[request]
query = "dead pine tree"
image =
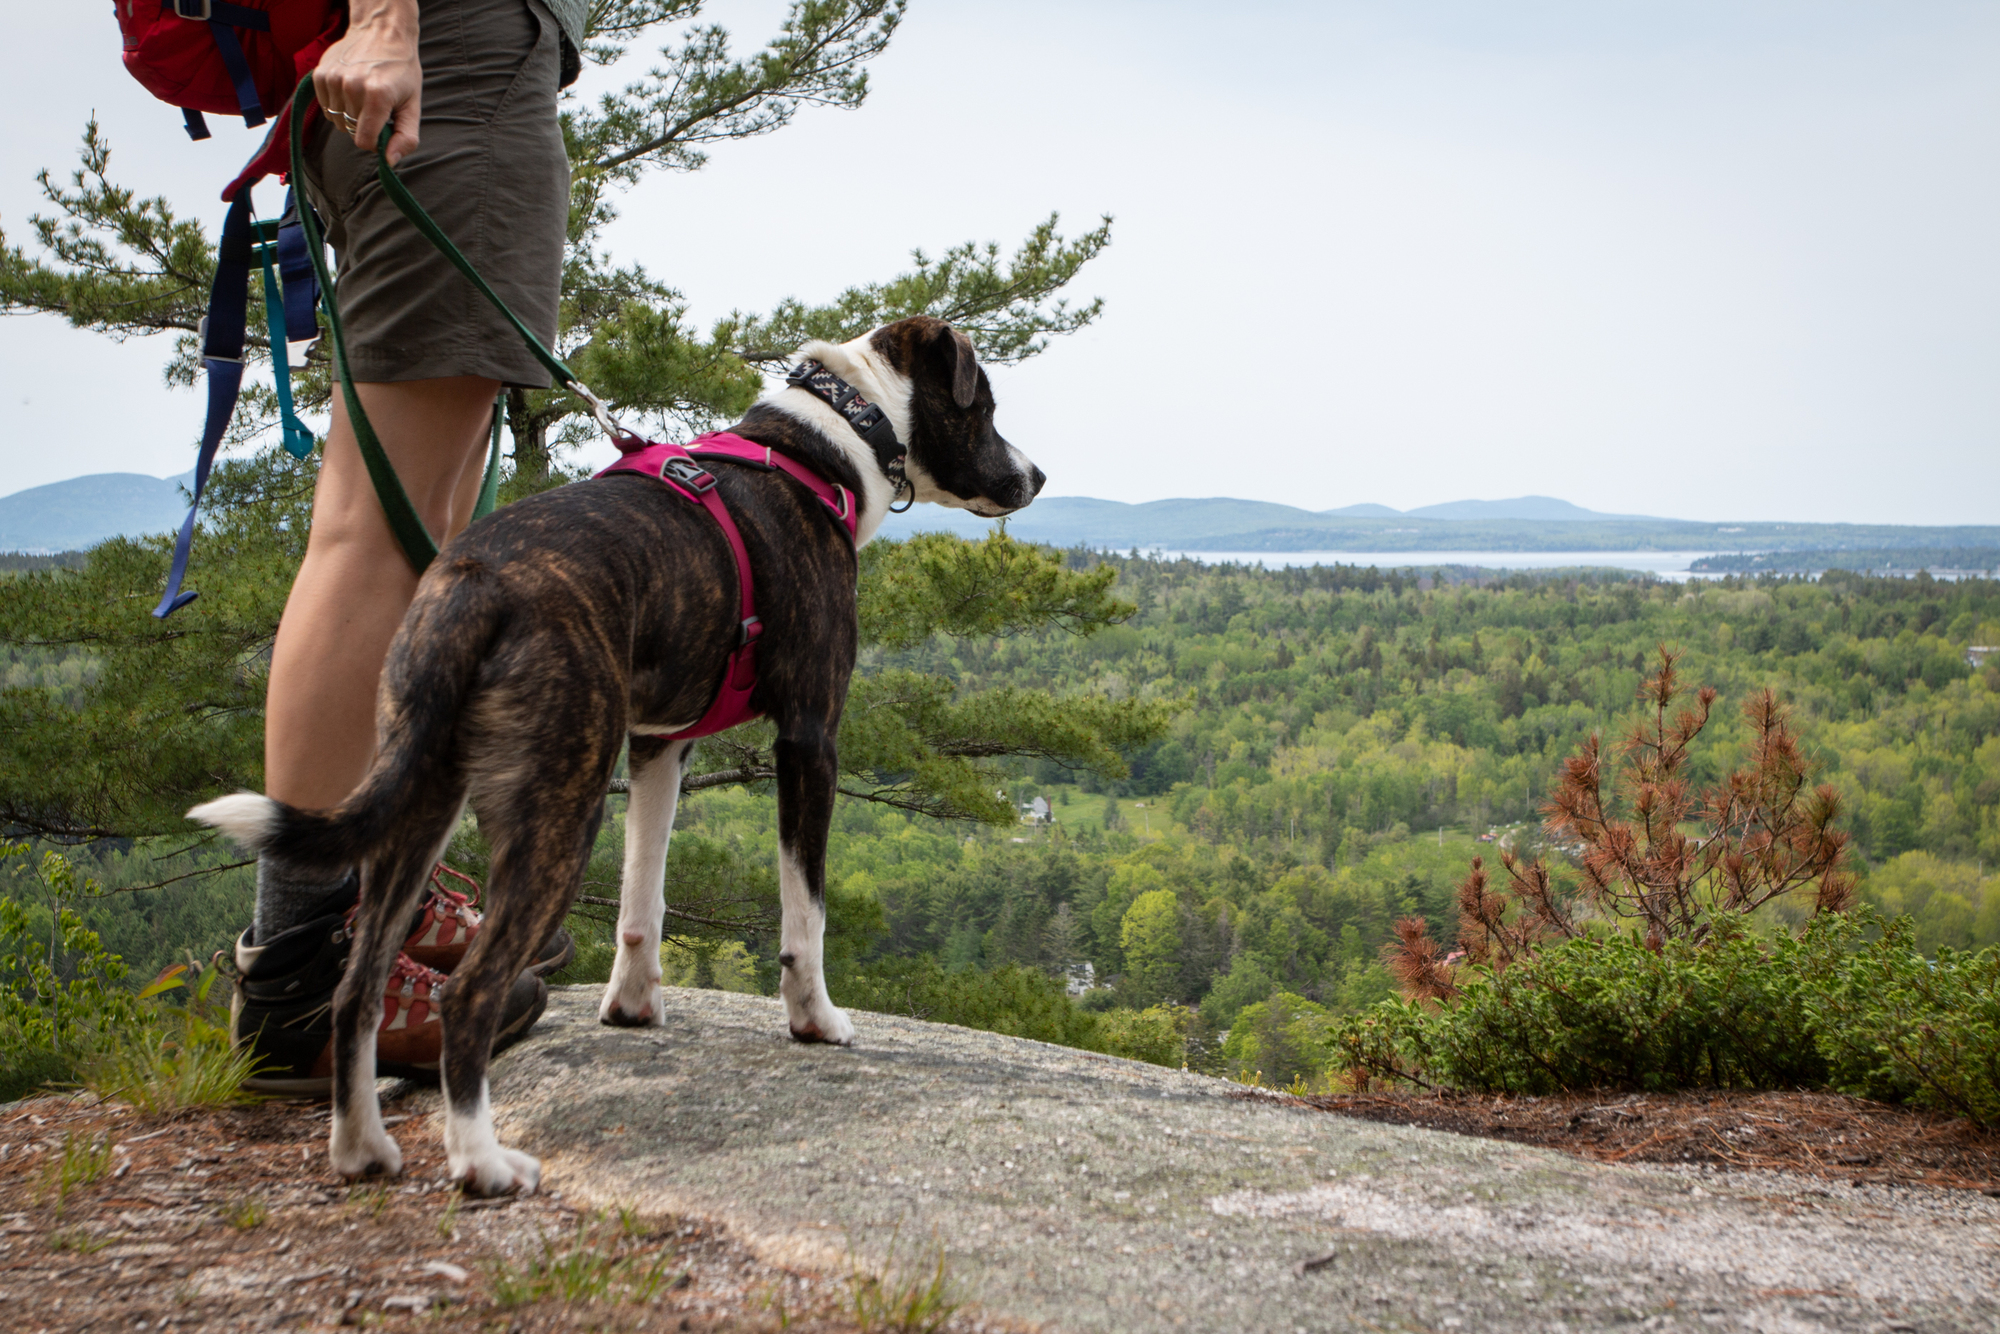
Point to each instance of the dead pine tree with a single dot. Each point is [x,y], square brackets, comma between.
[1762,834]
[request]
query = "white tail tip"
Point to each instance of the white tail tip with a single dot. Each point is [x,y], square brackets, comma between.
[247,817]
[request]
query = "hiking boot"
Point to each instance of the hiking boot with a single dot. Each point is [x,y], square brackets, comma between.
[447,923]
[283,1010]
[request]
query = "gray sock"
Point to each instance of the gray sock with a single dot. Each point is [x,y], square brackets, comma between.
[287,898]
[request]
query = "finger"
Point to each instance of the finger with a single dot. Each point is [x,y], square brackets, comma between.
[332,94]
[404,141]
[368,122]
[326,91]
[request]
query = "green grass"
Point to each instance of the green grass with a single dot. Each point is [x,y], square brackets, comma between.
[179,1060]
[83,1161]
[370,1200]
[588,1267]
[244,1212]
[899,1299]
[77,1239]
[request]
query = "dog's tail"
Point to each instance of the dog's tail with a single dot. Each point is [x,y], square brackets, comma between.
[428,680]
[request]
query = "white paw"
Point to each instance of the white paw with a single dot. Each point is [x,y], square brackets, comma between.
[820,1020]
[637,1004]
[496,1171]
[363,1151]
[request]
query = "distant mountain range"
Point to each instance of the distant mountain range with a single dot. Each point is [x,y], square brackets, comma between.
[1528,523]
[78,513]
[83,511]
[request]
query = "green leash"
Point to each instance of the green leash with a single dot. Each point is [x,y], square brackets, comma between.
[409,529]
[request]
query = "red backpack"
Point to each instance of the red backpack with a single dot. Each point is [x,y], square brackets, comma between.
[243,58]
[223,57]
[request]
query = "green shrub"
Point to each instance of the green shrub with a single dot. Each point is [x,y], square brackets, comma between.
[1278,1042]
[1902,1028]
[1158,1035]
[1023,1002]
[60,998]
[1850,1005]
[1606,1012]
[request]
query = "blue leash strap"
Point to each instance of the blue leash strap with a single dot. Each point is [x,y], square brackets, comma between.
[222,354]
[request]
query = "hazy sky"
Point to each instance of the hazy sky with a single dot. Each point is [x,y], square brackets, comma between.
[1712,260]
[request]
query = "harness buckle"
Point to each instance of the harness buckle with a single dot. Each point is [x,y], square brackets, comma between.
[748,629]
[194,9]
[687,473]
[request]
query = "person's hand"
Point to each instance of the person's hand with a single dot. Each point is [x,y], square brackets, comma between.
[371,76]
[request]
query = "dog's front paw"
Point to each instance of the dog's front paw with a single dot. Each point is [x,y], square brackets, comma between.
[632,1008]
[632,998]
[823,1021]
[496,1171]
[363,1151]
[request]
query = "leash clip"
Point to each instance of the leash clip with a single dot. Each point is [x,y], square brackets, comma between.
[626,441]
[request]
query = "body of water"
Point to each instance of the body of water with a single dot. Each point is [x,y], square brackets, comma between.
[1661,564]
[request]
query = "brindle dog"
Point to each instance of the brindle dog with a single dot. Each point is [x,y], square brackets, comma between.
[549,633]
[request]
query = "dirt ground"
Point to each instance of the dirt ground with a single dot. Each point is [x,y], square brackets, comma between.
[1816,1134]
[232,1220]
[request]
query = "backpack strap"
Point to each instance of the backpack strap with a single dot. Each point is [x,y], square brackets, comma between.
[298,438]
[223,20]
[222,355]
[295,267]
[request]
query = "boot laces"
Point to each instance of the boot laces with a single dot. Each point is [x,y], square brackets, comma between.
[437,885]
[407,969]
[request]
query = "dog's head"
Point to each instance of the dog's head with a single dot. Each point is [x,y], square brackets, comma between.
[944,416]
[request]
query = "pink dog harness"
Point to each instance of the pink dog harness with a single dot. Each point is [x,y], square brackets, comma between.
[684,475]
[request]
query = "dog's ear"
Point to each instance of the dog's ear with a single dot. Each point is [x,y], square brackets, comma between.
[965,371]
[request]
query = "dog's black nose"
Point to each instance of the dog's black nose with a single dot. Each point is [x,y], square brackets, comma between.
[1036,480]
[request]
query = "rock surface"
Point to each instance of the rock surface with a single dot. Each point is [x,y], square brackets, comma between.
[1082,1192]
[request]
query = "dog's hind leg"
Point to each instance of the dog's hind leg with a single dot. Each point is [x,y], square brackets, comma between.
[537,865]
[807,773]
[632,997]
[358,1145]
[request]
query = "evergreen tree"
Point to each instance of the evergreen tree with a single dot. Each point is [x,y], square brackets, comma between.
[171,711]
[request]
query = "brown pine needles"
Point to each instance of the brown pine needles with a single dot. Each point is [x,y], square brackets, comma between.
[1763,833]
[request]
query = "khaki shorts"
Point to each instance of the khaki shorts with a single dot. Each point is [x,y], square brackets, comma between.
[490,168]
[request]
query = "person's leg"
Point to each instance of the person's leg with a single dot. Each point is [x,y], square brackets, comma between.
[349,597]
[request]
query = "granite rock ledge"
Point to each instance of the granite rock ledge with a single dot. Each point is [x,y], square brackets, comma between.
[1081,1192]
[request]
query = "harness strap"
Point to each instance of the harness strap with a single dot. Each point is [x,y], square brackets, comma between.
[682,471]
[837,499]
[686,478]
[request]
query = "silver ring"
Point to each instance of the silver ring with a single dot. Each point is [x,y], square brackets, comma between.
[352,123]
